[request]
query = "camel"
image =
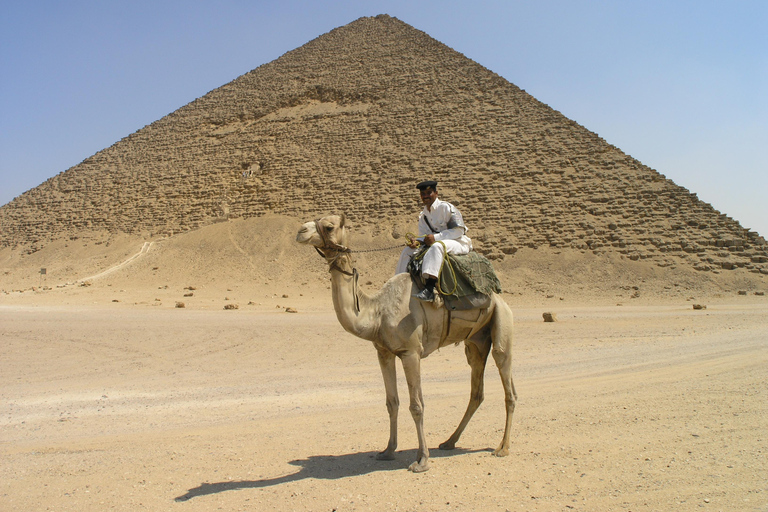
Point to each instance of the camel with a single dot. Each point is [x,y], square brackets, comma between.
[402,326]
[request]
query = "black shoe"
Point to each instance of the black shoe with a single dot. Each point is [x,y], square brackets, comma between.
[426,295]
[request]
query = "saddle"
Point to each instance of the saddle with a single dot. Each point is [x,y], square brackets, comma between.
[465,282]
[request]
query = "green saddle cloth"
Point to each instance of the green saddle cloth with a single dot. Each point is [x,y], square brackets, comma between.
[465,281]
[472,273]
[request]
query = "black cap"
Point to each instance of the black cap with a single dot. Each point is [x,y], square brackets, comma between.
[427,184]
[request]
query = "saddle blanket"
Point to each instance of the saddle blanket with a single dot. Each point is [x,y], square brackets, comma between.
[465,281]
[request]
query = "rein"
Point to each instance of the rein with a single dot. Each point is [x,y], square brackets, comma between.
[333,246]
[398,246]
[333,262]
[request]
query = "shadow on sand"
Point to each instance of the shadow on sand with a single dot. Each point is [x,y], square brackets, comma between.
[323,467]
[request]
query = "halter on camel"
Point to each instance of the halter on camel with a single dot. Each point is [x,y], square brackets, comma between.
[329,247]
[333,259]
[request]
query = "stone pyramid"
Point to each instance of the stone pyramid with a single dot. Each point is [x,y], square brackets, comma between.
[348,123]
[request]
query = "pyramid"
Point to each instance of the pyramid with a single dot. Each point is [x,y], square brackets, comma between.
[349,122]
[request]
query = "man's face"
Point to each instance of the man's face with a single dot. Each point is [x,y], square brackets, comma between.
[428,196]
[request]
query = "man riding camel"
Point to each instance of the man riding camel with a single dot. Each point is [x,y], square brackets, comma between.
[439,221]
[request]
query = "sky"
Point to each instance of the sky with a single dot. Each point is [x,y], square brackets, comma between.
[681,86]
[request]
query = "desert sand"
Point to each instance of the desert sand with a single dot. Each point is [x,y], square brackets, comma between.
[114,398]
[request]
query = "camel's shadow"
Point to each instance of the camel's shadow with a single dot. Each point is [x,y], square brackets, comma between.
[323,467]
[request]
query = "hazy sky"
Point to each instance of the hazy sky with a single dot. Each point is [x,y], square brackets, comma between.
[681,86]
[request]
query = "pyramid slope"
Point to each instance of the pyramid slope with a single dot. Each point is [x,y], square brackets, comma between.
[348,122]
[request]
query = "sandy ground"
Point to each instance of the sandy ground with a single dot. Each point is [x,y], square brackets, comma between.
[621,408]
[111,397]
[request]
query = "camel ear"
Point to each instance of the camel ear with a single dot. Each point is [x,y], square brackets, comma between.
[343,220]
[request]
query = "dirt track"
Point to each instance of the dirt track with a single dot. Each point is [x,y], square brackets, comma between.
[131,408]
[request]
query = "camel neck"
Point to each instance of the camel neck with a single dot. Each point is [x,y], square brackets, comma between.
[350,304]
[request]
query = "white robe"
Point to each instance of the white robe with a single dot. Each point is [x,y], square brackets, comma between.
[443,221]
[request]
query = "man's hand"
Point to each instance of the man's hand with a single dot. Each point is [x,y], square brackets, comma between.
[429,240]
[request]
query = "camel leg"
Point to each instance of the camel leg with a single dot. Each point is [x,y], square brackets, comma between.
[412,370]
[477,355]
[501,334]
[389,372]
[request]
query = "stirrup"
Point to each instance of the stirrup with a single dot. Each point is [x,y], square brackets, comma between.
[426,295]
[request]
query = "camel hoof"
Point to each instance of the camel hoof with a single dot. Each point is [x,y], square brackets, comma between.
[501,452]
[419,467]
[447,446]
[385,456]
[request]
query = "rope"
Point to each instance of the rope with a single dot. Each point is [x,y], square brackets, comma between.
[410,238]
[446,262]
[377,250]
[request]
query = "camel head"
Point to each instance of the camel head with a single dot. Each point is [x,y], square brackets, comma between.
[326,234]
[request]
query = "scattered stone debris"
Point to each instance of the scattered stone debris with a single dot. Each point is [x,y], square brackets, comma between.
[115,300]
[180,304]
[699,306]
[742,292]
[549,317]
[190,288]
[290,310]
[285,295]
[760,293]
[231,306]
[190,294]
